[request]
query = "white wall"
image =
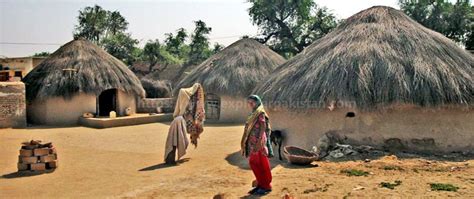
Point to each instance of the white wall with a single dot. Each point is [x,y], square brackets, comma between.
[233,109]
[450,129]
[125,100]
[60,111]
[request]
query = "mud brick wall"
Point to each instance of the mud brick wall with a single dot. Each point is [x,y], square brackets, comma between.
[150,105]
[12,105]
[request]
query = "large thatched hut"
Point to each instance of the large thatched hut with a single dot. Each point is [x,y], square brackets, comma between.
[380,78]
[230,75]
[78,78]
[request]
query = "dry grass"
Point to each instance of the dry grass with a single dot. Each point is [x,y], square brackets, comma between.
[80,66]
[375,58]
[156,88]
[236,70]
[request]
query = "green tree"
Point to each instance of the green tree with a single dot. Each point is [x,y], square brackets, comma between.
[92,23]
[121,46]
[116,23]
[151,53]
[154,53]
[470,39]
[455,21]
[217,48]
[176,44]
[42,54]
[199,47]
[108,30]
[288,26]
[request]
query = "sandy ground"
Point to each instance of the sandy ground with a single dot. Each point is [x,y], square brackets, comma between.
[126,162]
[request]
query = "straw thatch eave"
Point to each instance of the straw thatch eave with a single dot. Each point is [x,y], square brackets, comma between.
[80,67]
[376,58]
[236,70]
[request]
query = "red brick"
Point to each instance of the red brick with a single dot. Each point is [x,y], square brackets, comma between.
[47,158]
[52,151]
[29,160]
[52,165]
[38,167]
[41,152]
[26,153]
[22,167]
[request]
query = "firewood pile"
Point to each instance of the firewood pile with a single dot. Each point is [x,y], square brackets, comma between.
[35,156]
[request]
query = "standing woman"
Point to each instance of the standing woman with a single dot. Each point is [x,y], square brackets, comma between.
[256,145]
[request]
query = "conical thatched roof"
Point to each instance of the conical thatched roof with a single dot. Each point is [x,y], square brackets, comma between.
[375,58]
[236,70]
[80,66]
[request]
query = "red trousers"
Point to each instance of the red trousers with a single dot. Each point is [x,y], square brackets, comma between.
[261,169]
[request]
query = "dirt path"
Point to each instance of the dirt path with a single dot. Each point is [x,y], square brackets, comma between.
[125,162]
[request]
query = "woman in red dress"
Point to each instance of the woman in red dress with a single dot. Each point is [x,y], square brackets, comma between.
[256,145]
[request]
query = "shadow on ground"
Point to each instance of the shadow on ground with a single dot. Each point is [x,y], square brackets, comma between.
[22,174]
[164,165]
[237,160]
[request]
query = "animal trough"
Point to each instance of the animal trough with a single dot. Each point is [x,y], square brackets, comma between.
[299,156]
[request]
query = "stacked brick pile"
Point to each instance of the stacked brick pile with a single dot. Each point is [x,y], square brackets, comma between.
[35,156]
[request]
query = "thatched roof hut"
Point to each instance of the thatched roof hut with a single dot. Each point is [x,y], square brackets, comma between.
[379,79]
[235,70]
[80,77]
[377,57]
[80,66]
[230,75]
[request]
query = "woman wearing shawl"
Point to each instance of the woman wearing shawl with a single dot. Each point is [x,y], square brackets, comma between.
[256,145]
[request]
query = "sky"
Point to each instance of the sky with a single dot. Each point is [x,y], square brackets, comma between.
[43,25]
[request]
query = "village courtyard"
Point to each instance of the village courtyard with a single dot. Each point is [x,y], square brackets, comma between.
[127,162]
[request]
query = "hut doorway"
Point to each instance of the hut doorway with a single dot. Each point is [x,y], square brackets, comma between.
[213,106]
[107,102]
[4,76]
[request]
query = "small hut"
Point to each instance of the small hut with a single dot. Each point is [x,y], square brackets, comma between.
[379,78]
[230,75]
[78,78]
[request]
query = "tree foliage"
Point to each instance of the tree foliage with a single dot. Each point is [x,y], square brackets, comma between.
[108,29]
[454,20]
[217,48]
[155,53]
[199,47]
[288,26]
[92,23]
[42,54]
[121,46]
[175,44]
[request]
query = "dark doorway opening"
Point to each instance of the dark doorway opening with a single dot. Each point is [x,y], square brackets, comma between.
[107,102]
[19,74]
[213,106]
[4,76]
[350,114]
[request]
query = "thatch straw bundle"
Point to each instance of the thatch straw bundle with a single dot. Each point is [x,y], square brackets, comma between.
[235,70]
[375,58]
[80,66]
[156,88]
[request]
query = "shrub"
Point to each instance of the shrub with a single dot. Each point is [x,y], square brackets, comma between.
[354,172]
[389,185]
[443,187]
